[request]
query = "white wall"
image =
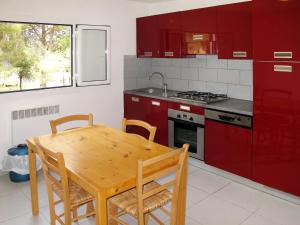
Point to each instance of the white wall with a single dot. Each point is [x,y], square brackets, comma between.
[180,5]
[105,102]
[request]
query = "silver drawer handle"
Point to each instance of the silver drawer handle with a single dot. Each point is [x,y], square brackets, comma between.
[281,68]
[155,103]
[185,107]
[239,54]
[197,37]
[148,54]
[283,55]
[135,99]
[169,54]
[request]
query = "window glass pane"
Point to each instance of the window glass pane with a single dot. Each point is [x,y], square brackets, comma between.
[93,56]
[34,56]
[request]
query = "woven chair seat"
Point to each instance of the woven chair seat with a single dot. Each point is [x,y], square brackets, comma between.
[78,195]
[127,201]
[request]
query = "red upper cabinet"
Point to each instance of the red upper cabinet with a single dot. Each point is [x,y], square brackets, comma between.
[170,35]
[234,31]
[147,37]
[276,30]
[199,28]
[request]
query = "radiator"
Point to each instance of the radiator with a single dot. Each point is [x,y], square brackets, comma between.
[32,122]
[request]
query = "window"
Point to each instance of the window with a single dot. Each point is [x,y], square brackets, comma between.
[93,55]
[38,55]
[35,56]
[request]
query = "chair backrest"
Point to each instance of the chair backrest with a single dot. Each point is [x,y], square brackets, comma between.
[66,119]
[55,173]
[144,177]
[140,123]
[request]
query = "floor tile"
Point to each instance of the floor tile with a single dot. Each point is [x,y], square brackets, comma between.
[194,196]
[280,211]
[192,169]
[13,205]
[43,194]
[259,220]
[27,219]
[242,196]
[7,187]
[214,211]
[207,181]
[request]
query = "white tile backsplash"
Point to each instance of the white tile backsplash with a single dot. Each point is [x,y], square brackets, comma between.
[189,73]
[228,76]
[203,73]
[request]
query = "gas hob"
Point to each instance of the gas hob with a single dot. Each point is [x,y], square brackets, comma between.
[205,97]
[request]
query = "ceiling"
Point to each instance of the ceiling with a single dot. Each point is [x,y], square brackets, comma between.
[152,1]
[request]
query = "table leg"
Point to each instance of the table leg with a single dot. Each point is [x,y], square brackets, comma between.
[101,210]
[33,181]
[182,195]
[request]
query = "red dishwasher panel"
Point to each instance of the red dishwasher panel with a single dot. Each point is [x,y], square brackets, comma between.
[276,155]
[228,146]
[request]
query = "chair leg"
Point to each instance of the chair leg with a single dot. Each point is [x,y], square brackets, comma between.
[75,214]
[112,212]
[147,217]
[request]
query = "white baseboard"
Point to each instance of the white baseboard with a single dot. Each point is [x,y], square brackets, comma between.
[283,195]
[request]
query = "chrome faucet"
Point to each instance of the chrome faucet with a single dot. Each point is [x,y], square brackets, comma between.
[164,86]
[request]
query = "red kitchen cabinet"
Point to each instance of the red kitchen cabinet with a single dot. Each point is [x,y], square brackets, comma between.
[276,30]
[150,110]
[158,116]
[170,35]
[234,31]
[136,107]
[276,152]
[199,28]
[233,149]
[147,37]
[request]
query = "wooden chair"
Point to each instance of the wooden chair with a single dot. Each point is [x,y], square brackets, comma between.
[140,123]
[70,194]
[55,123]
[150,195]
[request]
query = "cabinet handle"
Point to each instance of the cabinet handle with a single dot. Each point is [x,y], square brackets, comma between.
[169,54]
[155,103]
[135,99]
[283,55]
[198,37]
[148,54]
[281,68]
[185,107]
[239,54]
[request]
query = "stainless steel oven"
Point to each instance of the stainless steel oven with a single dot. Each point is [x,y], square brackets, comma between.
[185,127]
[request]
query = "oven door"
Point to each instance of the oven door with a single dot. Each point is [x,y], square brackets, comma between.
[182,132]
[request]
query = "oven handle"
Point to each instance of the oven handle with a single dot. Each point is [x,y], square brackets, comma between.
[186,122]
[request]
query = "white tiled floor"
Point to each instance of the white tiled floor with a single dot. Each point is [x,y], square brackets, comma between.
[211,200]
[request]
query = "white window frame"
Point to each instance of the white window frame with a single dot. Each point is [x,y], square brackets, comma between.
[78,76]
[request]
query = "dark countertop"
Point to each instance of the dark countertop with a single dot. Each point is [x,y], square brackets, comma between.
[243,107]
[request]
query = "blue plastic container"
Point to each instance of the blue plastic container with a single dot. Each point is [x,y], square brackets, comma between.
[20,150]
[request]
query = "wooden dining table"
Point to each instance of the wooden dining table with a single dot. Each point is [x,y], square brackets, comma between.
[103,161]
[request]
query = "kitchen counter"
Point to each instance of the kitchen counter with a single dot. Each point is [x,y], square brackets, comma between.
[243,107]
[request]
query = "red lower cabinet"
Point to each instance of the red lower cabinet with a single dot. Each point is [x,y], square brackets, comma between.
[228,147]
[150,110]
[158,116]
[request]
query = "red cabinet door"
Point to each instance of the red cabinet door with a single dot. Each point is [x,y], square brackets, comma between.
[199,31]
[234,31]
[228,147]
[147,37]
[158,116]
[170,35]
[276,30]
[136,107]
[276,153]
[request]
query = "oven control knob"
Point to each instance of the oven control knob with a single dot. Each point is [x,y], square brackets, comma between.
[191,119]
[178,116]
